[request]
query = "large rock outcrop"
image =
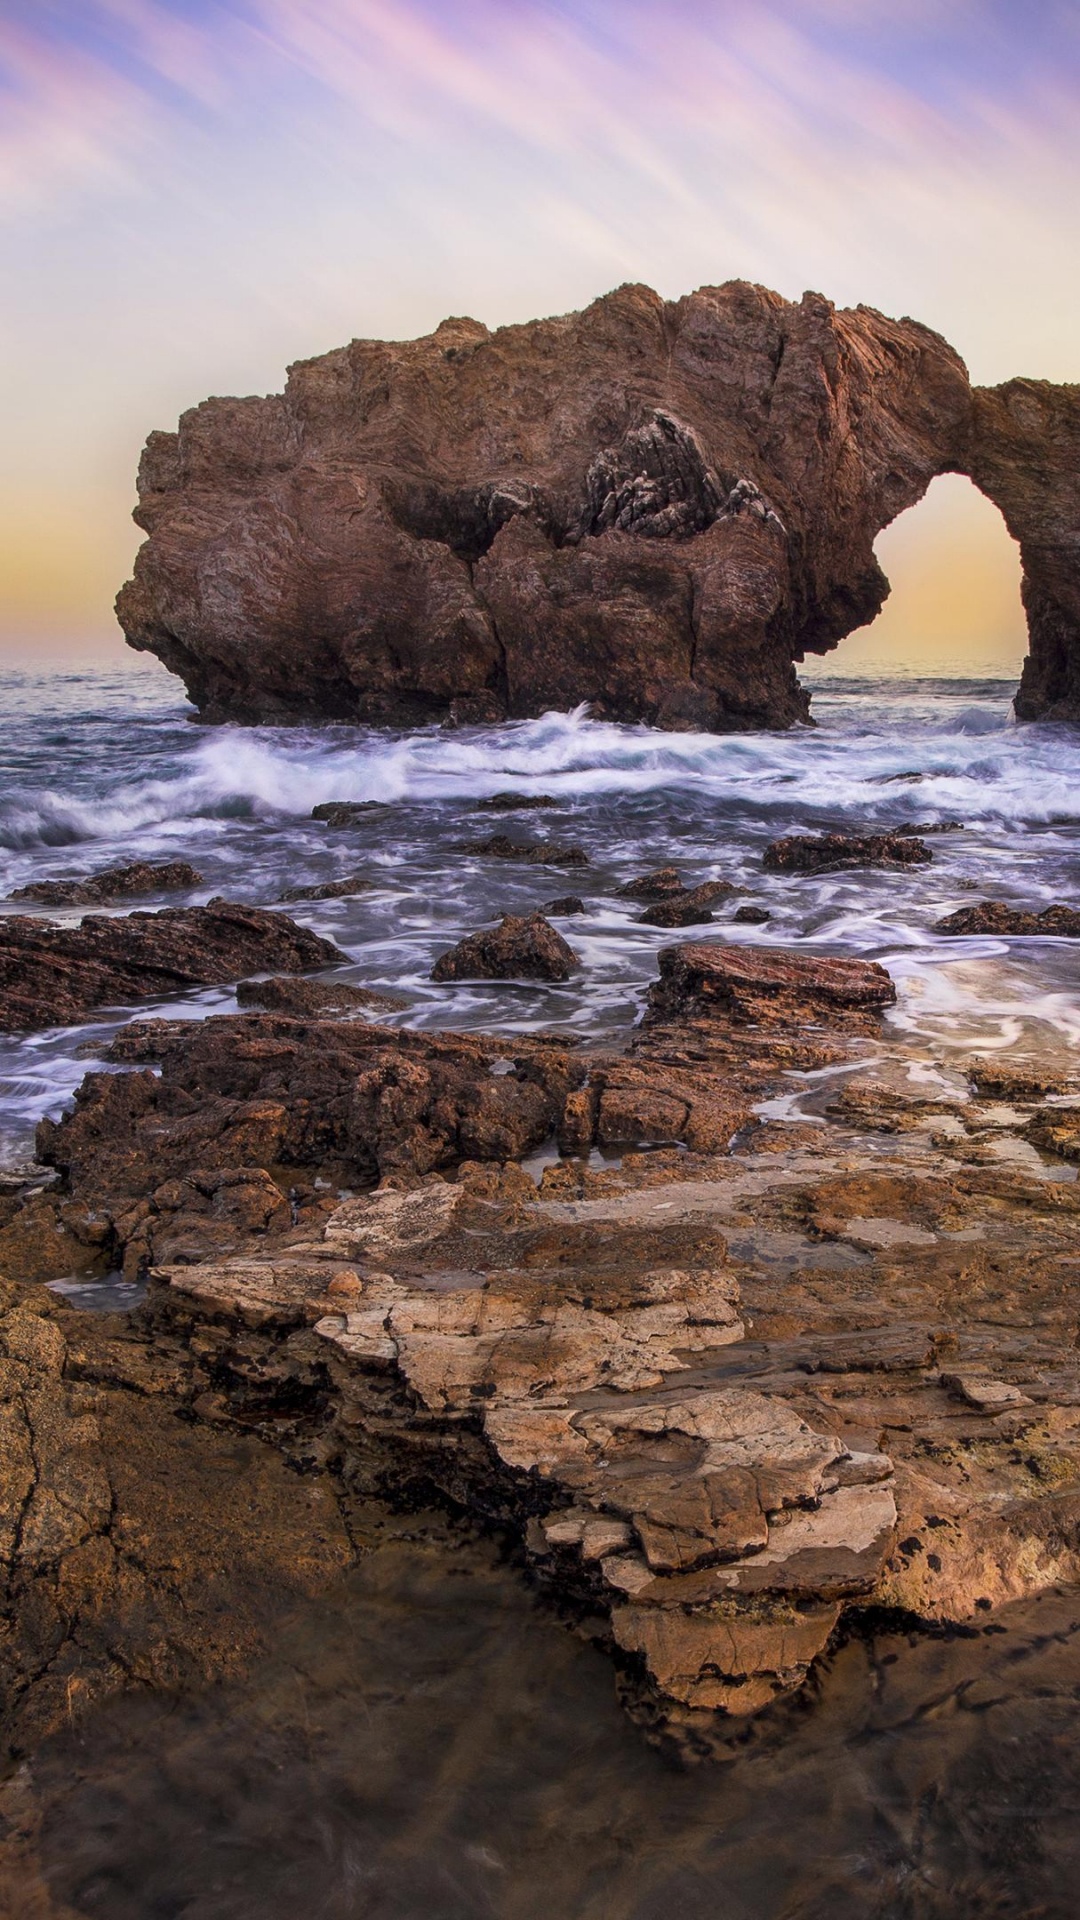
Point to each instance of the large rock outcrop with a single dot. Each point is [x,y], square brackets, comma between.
[654,506]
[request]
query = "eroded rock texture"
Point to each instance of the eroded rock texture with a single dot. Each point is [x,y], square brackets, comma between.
[656,507]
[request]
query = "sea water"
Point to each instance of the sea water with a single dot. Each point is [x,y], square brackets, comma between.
[100,768]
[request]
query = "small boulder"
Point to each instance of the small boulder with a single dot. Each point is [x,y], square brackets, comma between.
[566,903]
[546,854]
[834,852]
[751,916]
[344,813]
[284,994]
[520,948]
[767,987]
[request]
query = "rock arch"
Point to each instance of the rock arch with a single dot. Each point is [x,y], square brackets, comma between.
[657,507]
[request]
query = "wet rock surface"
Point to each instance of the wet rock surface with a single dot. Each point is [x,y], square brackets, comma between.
[995,916]
[345,813]
[51,974]
[517,802]
[653,506]
[115,883]
[767,986]
[290,993]
[521,947]
[688,908]
[342,889]
[499,846]
[837,852]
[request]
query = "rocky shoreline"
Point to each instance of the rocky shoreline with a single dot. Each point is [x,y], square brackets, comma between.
[726,1384]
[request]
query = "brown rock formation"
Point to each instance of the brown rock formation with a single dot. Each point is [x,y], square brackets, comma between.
[656,507]
[51,975]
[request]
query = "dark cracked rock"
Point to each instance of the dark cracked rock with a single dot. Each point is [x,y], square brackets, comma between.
[659,885]
[286,993]
[52,975]
[767,986]
[520,948]
[343,889]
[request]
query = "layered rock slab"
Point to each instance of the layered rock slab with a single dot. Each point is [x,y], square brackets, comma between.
[675,1509]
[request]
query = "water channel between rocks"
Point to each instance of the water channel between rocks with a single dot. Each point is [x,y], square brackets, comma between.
[427,1738]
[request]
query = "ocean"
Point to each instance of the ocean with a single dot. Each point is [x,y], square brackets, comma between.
[102,767]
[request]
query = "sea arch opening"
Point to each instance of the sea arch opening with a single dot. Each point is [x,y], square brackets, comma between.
[954,610]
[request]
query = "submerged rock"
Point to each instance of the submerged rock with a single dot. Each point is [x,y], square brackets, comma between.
[345,813]
[995,916]
[115,883]
[343,889]
[51,976]
[290,994]
[543,854]
[834,852]
[517,802]
[661,885]
[520,948]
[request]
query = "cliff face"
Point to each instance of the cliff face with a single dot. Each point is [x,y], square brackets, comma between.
[656,507]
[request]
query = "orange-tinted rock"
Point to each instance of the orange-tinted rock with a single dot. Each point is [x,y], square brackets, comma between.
[115,883]
[767,986]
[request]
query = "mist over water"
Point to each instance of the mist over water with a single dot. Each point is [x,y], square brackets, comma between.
[100,768]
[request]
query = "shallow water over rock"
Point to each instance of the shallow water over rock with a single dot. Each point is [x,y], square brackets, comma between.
[429,1740]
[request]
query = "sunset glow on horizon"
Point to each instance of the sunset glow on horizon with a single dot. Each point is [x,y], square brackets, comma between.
[194,193]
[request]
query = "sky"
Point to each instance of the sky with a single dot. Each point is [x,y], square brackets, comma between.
[195,192]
